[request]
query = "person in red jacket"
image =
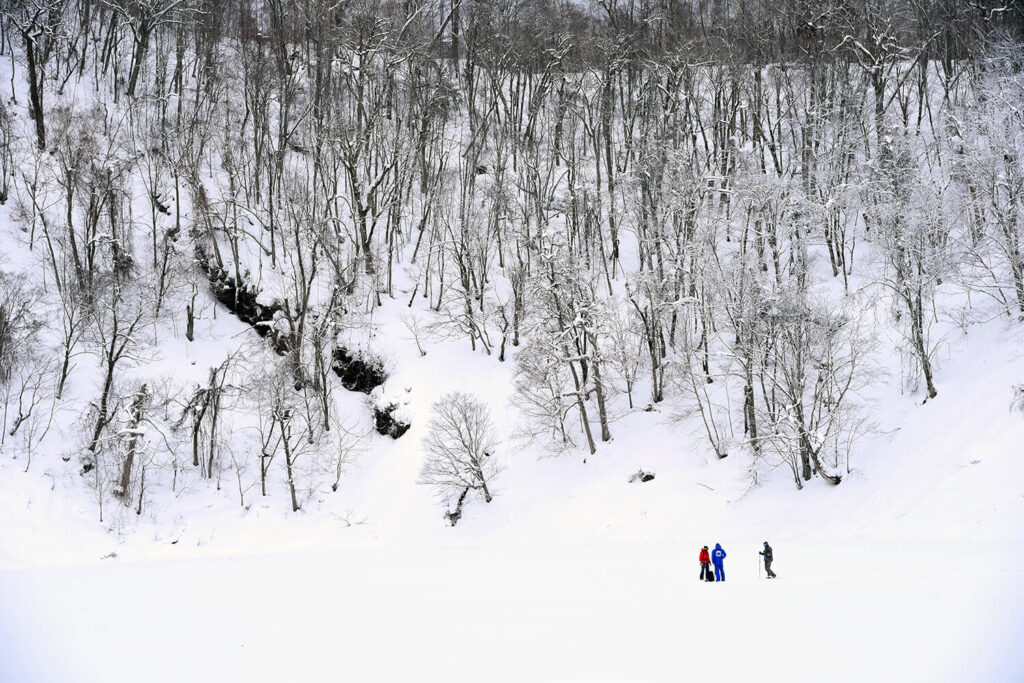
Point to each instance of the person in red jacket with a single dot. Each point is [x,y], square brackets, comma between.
[705,564]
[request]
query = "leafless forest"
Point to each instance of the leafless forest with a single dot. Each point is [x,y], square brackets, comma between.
[703,207]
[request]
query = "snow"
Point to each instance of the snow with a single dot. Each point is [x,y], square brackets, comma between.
[911,569]
[588,612]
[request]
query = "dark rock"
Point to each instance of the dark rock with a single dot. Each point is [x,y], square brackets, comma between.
[241,299]
[641,476]
[358,372]
[160,206]
[387,424]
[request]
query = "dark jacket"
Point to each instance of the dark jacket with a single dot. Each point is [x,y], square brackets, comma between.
[767,552]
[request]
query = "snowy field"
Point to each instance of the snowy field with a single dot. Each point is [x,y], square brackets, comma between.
[838,612]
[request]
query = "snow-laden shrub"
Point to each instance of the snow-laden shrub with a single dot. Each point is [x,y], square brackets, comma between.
[391,416]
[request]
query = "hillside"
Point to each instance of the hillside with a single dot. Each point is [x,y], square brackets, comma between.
[432,340]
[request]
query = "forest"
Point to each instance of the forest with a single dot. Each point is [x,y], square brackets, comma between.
[738,213]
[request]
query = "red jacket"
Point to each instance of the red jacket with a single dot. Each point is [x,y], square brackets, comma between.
[704,557]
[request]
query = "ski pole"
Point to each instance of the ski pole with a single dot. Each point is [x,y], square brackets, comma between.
[758,567]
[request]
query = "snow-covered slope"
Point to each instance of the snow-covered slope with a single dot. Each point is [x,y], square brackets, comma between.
[948,469]
[909,570]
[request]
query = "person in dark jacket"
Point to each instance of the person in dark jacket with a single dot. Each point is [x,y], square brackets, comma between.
[767,554]
[718,557]
[705,564]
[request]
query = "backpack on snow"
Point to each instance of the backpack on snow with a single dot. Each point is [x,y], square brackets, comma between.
[709,575]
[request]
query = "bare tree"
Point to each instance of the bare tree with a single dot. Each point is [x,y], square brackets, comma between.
[39,23]
[20,325]
[990,174]
[819,362]
[540,394]
[117,321]
[346,445]
[26,381]
[135,441]
[205,408]
[7,137]
[914,235]
[289,425]
[414,324]
[143,18]
[459,448]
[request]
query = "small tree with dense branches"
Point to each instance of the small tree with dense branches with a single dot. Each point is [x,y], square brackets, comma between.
[459,449]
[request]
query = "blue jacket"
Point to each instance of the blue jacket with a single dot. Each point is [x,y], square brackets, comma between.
[718,555]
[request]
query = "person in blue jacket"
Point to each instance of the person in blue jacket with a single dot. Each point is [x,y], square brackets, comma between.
[718,557]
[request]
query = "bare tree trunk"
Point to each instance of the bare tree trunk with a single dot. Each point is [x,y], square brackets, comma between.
[190,322]
[749,414]
[101,417]
[602,411]
[581,404]
[214,395]
[456,4]
[35,87]
[138,405]
[288,460]
[138,58]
